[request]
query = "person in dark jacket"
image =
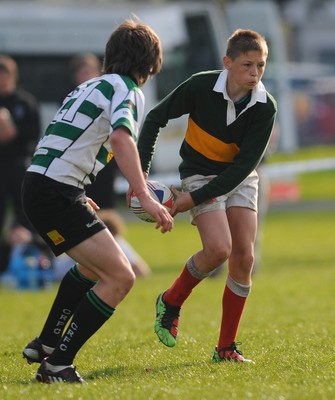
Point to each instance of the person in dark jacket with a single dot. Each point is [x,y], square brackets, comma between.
[20,129]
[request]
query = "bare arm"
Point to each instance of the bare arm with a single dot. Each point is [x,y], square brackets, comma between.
[126,155]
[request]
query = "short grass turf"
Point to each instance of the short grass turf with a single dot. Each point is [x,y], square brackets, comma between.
[287,327]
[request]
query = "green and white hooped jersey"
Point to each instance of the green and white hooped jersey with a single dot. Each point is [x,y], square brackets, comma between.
[75,146]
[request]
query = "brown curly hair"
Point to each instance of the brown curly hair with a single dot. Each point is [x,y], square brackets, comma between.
[133,49]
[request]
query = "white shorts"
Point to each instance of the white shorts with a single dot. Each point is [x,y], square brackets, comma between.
[244,195]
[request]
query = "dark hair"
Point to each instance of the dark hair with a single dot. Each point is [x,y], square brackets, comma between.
[133,49]
[244,40]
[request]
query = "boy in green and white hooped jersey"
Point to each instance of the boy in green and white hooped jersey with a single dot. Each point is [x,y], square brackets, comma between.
[230,120]
[76,144]
[97,121]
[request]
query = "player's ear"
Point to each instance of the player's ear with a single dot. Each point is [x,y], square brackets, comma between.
[227,62]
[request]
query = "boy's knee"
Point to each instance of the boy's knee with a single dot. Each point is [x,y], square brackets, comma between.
[247,260]
[218,255]
[129,279]
[123,276]
[244,261]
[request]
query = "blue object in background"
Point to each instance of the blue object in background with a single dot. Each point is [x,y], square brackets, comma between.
[28,269]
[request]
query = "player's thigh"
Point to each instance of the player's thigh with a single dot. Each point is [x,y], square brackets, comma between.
[243,227]
[101,255]
[214,230]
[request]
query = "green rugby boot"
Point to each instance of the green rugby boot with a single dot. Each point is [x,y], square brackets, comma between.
[166,324]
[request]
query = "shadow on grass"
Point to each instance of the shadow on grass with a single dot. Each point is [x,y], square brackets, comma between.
[121,372]
[131,372]
[23,382]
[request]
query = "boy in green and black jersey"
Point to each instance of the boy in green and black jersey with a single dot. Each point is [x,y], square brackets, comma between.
[230,120]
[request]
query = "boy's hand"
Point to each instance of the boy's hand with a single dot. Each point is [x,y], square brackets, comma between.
[163,219]
[182,202]
[92,203]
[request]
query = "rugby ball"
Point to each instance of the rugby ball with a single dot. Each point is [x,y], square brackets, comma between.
[159,192]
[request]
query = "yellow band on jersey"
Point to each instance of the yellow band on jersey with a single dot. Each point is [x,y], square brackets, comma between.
[209,146]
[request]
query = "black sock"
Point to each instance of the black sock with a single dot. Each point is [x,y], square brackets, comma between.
[90,315]
[71,291]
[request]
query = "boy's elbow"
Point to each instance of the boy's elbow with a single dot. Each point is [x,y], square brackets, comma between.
[119,137]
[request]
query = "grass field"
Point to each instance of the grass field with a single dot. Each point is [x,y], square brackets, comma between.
[287,328]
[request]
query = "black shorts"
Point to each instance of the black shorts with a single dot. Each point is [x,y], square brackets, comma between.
[59,212]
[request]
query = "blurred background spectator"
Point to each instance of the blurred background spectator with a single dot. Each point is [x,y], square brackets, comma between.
[83,67]
[19,133]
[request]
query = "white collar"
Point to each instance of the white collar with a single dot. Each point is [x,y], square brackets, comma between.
[258,93]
